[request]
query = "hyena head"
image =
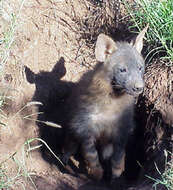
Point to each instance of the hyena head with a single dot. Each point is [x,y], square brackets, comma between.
[124,65]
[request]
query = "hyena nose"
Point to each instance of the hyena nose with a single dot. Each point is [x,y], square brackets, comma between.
[138,87]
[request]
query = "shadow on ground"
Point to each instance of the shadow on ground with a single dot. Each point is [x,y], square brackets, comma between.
[52,92]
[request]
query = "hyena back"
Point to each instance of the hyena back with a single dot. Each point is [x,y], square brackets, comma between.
[102,105]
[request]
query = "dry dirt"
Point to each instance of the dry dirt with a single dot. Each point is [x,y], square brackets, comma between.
[46,39]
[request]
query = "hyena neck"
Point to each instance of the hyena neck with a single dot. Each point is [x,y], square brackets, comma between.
[100,83]
[100,89]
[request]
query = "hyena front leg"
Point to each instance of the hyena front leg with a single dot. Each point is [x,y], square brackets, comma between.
[118,160]
[91,156]
[70,148]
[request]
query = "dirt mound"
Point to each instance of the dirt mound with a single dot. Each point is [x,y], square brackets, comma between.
[158,89]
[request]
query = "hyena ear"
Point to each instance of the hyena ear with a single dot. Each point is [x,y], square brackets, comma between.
[105,46]
[30,75]
[138,41]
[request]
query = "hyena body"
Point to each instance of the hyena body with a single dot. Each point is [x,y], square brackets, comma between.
[102,104]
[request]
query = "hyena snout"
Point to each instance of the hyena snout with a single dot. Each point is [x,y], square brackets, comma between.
[138,87]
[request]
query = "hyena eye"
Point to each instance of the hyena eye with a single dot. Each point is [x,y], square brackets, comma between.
[123,70]
[140,68]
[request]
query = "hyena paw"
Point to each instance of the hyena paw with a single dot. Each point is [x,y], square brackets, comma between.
[116,172]
[118,168]
[96,173]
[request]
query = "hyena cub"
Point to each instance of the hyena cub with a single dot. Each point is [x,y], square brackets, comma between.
[103,104]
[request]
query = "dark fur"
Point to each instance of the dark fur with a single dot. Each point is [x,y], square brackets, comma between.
[102,105]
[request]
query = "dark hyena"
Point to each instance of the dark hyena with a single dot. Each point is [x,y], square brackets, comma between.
[102,105]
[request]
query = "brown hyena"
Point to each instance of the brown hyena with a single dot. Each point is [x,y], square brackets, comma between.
[101,107]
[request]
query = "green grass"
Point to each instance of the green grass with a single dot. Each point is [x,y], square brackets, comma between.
[16,177]
[8,37]
[3,179]
[8,182]
[7,41]
[159,15]
[9,21]
[166,178]
[22,174]
[9,17]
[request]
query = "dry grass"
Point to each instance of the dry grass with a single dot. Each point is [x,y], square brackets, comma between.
[19,172]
